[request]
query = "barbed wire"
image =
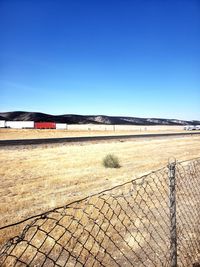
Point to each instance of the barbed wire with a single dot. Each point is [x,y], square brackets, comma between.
[128,225]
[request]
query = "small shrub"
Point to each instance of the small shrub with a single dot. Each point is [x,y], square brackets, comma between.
[111,161]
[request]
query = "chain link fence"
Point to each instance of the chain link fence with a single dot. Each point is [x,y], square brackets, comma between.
[150,221]
[188,213]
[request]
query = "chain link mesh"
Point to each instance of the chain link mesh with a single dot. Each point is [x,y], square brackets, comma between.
[127,225]
[188,212]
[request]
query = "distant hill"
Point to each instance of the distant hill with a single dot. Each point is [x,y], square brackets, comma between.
[2,118]
[90,119]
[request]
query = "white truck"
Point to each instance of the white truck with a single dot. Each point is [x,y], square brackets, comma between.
[2,124]
[191,127]
[20,124]
[61,126]
[197,127]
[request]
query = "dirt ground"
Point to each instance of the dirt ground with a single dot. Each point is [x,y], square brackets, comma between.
[36,179]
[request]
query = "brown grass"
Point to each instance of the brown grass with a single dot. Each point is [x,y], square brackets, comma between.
[36,179]
[48,133]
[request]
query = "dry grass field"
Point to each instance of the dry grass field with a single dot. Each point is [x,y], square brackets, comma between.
[49,133]
[35,179]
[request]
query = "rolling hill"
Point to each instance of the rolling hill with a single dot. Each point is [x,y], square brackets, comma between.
[90,119]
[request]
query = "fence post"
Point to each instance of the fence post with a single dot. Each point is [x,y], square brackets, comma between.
[172,201]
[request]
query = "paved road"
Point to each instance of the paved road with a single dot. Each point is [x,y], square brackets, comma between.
[89,138]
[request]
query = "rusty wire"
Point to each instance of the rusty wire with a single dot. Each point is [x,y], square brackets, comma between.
[127,225]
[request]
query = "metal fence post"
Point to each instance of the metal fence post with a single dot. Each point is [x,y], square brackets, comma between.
[172,201]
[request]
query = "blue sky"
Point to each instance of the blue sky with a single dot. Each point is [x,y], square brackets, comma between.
[116,57]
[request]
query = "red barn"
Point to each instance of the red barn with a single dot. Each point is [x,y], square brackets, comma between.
[45,125]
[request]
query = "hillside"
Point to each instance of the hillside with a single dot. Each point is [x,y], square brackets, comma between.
[90,119]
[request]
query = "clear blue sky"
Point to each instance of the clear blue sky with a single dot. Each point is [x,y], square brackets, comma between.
[113,57]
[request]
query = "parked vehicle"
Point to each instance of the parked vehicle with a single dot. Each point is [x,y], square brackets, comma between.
[19,124]
[32,125]
[191,127]
[2,124]
[61,126]
[45,125]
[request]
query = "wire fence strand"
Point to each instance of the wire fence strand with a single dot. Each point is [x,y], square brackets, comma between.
[128,225]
